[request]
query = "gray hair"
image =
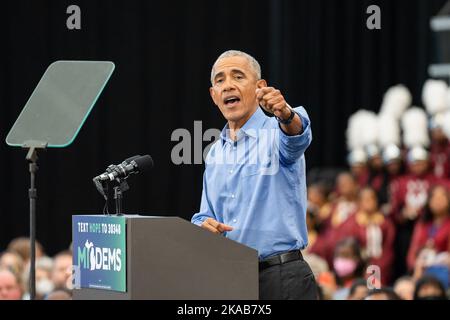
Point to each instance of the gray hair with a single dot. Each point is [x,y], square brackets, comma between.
[236,53]
[45,263]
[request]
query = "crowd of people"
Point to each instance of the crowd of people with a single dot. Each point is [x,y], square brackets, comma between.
[53,275]
[381,229]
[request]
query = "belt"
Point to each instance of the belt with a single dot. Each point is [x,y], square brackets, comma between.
[280,259]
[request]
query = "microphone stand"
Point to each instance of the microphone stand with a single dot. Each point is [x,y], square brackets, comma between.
[118,195]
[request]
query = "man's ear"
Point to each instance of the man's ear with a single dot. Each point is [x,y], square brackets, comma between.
[212,93]
[261,83]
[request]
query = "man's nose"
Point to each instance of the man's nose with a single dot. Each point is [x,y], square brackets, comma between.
[228,85]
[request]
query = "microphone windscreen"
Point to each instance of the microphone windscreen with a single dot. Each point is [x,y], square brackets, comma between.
[144,163]
[132,158]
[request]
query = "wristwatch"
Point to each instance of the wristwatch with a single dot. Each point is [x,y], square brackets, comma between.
[288,120]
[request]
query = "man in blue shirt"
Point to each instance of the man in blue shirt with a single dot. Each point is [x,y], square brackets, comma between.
[254,188]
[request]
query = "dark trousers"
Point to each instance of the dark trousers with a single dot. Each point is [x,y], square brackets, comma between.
[289,281]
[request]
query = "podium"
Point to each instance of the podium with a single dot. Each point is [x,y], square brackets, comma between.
[166,258]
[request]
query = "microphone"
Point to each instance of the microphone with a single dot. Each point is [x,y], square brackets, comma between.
[129,166]
[112,167]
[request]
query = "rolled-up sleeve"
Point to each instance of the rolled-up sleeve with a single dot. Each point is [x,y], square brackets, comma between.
[293,147]
[205,206]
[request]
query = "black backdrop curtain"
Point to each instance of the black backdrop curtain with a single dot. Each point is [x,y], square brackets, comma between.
[318,52]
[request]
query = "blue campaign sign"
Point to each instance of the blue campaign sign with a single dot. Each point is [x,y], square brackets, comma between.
[99,252]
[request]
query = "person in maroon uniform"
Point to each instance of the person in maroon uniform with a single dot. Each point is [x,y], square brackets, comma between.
[435,100]
[393,162]
[342,208]
[433,229]
[317,212]
[374,232]
[409,192]
[439,150]
[377,176]
[408,197]
[357,161]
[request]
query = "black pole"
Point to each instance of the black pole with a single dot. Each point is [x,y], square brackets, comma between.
[32,158]
[32,194]
[118,196]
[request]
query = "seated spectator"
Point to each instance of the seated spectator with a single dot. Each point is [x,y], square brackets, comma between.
[382,294]
[358,290]
[433,230]
[439,149]
[21,246]
[435,264]
[348,265]
[318,203]
[44,267]
[404,287]
[60,294]
[357,161]
[62,270]
[44,284]
[374,232]
[392,158]
[378,179]
[317,211]
[346,203]
[408,196]
[12,261]
[10,285]
[429,288]
[341,209]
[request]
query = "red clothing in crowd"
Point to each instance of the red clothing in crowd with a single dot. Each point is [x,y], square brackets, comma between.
[363,178]
[440,160]
[427,233]
[409,191]
[376,236]
[341,210]
[316,239]
[377,181]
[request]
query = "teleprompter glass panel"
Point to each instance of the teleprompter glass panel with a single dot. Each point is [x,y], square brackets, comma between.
[60,103]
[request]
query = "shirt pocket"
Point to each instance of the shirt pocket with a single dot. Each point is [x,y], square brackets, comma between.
[251,186]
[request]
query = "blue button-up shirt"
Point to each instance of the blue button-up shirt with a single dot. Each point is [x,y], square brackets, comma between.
[257,185]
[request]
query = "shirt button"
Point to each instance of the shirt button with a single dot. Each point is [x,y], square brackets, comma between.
[234,220]
[231,171]
[232,196]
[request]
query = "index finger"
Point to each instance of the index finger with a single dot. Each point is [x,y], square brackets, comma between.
[261,92]
[223,227]
[212,222]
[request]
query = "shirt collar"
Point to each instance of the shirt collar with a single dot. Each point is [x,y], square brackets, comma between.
[250,128]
